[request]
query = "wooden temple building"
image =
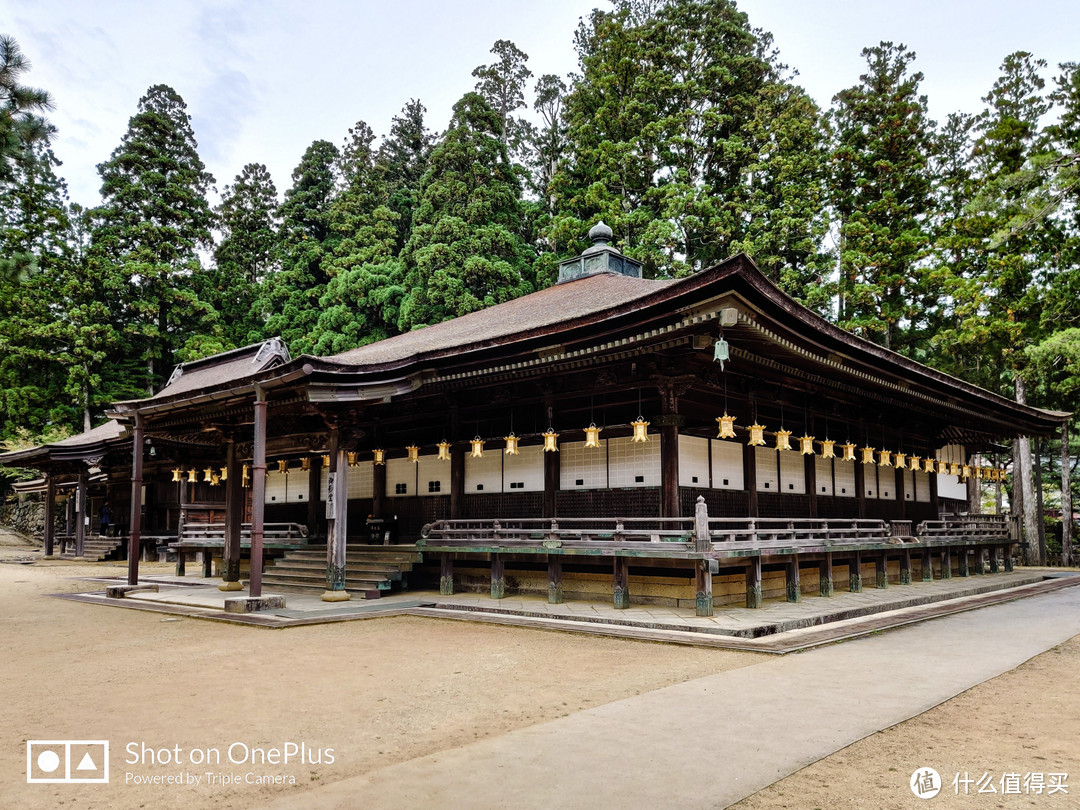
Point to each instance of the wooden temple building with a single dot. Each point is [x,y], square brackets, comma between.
[689,442]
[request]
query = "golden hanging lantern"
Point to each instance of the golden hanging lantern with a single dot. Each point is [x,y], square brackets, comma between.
[176,474]
[283,466]
[954,468]
[965,471]
[849,452]
[511,444]
[414,453]
[727,426]
[884,458]
[783,439]
[477,447]
[444,451]
[757,436]
[215,480]
[806,445]
[379,456]
[978,473]
[245,476]
[305,464]
[900,460]
[207,475]
[224,474]
[828,448]
[192,475]
[914,463]
[942,468]
[326,461]
[867,455]
[640,430]
[592,435]
[551,444]
[352,459]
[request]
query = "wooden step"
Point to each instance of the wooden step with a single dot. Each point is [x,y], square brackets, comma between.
[303,569]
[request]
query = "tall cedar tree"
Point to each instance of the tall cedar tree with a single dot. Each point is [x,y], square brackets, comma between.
[147,234]
[22,124]
[466,251]
[882,193]
[502,84]
[402,160]
[289,300]
[364,291]
[35,230]
[683,138]
[248,222]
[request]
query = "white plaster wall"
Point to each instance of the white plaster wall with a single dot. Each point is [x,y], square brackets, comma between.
[870,486]
[950,486]
[400,471]
[824,475]
[433,469]
[792,473]
[768,469]
[727,464]
[693,461]
[360,480]
[922,487]
[523,472]
[887,483]
[484,474]
[844,479]
[585,464]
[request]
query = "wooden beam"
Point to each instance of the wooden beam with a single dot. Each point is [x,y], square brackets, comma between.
[927,572]
[810,470]
[49,530]
[1007,554]
[83,501]
[860,487]
[753,582]
[995,566]
[946,564]
[749,455]
[794,586]
[551,483]
[881,569]
[555,592]
[855,572]
[962,561]
[135,524]
[621,593]
[703,587]
[825,575]
[457,480]
[669,470]
[498,577]
[234,520]
[905,567]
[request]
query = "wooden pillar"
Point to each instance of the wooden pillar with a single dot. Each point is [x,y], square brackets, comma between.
[750,479]
[181,497]
[753,583]
[555,595]
[498,577]
[69,522]
[1066,498]
[881,569]
[794,586]
[378,490]
[901,492]
[622,583]
[810,467]
[855,572]
[927,566]
[207,563]
[703,602]
[258,493]
[50,515]
[314,490]
[551,483]
[905,567]
[457,480]
[1007,553]
[234,520]
[446,574]
[82,503]
[825,575]
[995,567]
[962,561]
[977,567]
[935,504]
[337,520]
[860,487]
[946,563]
[669,467]
[135,525]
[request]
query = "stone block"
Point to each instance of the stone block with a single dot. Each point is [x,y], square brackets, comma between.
[120,591]
[253,604]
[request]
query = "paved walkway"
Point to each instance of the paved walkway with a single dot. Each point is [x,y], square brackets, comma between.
[713,741]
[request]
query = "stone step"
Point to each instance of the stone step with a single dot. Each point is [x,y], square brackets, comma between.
[319,569]
[357,583]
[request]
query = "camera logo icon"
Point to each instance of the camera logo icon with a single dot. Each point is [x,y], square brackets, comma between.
[67,761]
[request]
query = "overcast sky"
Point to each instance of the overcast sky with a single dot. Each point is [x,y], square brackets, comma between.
[264,78]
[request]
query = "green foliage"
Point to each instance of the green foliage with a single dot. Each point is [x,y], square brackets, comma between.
[147,234]
[402,160]
[466,251]
[22,126]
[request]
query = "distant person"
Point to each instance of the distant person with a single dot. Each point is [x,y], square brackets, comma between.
[106,518]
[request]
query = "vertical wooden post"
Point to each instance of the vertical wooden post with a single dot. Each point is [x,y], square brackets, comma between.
[1039,510]
[135,525]
[83,502]
[622,583]
[551,483]
[927,573]
[881,569]
[457,480]
[337,520]
[935,503]
[810,469]
[498,577]
[234,519]
[794,585]
[855,572]
[555,594]
[962,561]
[750,479]
[1066,498]
[69,522]
[669,468]
[446,574]
[378,490]
[314,490]
[977,567]
[825,575]
[901,486]
[860,487]
[50,515]
[1006,552]
[703,602]
[905,567]
[753,582]
[946,563]
[258,493]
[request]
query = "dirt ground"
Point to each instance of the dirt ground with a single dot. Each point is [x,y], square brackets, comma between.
[388,690]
